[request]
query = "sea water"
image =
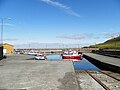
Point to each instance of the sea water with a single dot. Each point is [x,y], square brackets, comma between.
[83,64]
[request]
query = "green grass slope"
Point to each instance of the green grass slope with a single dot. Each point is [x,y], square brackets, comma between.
[109,44]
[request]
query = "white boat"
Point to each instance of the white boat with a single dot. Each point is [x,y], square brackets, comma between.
[35,53]
[40,57]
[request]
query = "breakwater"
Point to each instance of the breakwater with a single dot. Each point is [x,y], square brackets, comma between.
[104,62]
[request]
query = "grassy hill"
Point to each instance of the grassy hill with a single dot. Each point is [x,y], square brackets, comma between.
[113,43]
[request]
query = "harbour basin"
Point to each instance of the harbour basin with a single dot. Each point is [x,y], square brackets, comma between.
[83,64]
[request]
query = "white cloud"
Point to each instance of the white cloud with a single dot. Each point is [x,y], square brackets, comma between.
[50,45]
[62,6]
[75,36]
[72,13]
[56,4]
[110,35]
[10,39]
[6,24]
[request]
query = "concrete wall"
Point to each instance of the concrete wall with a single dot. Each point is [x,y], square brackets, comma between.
[102,65]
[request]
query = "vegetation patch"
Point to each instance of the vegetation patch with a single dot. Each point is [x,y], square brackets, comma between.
[113,43]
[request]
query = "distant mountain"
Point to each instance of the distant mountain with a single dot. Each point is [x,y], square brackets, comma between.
[113,43]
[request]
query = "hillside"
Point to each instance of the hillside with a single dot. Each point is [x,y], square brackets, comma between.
[113,43]
[114,40]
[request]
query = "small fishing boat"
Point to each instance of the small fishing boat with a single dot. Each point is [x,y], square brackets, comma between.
[72,55]
[40,57]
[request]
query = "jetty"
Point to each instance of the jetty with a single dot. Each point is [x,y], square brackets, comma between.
[104,62]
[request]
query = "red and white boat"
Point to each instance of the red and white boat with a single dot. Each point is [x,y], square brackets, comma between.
[72,55]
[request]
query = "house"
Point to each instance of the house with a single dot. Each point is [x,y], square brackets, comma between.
[9,49]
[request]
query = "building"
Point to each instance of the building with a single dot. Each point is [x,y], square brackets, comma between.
[1,52]
[8,48]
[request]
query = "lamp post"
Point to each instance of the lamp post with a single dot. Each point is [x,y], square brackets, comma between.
[2,21]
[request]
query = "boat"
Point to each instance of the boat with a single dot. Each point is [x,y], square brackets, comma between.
[72,55]
[35,53]
[31,53]
[40,57]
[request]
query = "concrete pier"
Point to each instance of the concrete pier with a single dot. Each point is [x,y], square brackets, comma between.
[104,62]
[18,73]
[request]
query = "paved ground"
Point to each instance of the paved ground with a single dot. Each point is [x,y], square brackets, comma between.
[18,73]
[105,59]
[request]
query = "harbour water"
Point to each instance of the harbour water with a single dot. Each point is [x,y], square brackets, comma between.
[83,64]
[54,57]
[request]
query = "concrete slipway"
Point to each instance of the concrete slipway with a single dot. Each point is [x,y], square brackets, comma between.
[17,73]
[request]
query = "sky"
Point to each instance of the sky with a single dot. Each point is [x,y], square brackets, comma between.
[37,22]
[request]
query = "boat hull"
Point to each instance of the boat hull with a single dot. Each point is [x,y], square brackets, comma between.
[39,59]
[66,57]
